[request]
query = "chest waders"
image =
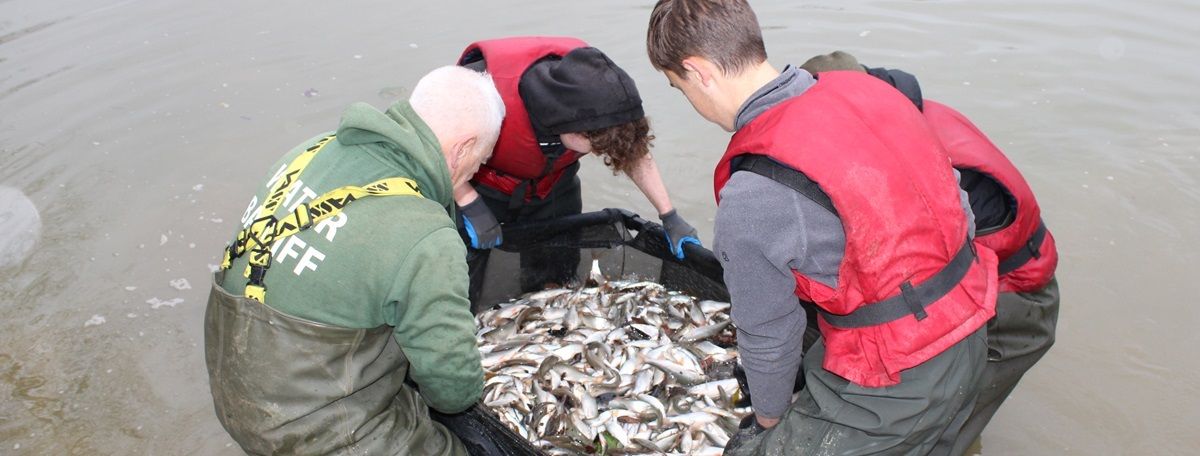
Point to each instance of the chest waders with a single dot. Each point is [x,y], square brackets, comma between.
[286,385]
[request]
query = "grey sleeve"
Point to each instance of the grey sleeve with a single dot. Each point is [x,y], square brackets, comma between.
[764,230]
[966,204]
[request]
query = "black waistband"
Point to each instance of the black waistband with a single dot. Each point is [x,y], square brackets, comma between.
[1027,252]
[911,300]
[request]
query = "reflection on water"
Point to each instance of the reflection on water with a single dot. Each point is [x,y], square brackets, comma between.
[137,129]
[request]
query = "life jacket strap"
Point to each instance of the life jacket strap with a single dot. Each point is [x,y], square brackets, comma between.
[778,172]
[552,150]
[912,300]
[1027,252]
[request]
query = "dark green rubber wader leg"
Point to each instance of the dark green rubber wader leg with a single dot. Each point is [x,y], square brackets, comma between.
[835,417]
[1020,333]
[283,385]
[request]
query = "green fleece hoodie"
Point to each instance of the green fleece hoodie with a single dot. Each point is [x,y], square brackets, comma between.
[393,260]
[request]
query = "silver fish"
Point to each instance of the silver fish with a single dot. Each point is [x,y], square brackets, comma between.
[617,367]
[701,333]
[678,372]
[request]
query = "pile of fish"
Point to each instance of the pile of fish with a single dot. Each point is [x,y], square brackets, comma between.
[622,367]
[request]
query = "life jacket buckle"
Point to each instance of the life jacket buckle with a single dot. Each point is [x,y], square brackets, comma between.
[1034,250]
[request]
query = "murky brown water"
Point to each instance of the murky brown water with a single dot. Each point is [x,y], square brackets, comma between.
[138,129]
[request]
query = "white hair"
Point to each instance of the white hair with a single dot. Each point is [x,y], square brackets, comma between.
[455,100]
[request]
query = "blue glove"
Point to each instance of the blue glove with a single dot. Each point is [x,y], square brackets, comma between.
[679,232]
[481,225]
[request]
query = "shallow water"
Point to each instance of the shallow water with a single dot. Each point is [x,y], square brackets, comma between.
[138,130]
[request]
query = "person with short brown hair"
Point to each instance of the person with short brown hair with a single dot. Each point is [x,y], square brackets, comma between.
[832,190]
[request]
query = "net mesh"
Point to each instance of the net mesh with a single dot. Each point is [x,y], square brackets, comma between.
[624,245]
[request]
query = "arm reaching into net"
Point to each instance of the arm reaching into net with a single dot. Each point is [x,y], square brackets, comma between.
[645,175]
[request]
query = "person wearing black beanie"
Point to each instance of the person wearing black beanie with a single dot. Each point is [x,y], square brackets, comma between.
[564,100]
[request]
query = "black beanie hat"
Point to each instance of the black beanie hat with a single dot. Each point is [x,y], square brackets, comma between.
[582,92]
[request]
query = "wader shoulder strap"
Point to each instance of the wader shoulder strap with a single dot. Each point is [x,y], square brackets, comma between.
[274,197]
[912,300]
[268,229]
[1027,252]
[796,180]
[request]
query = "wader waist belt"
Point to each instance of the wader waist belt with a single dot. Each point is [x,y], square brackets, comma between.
[1027,252]
[911,300]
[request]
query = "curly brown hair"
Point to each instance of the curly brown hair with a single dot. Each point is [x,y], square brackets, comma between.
[621,145]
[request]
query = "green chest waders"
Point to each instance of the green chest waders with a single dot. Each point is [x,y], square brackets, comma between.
[285,385]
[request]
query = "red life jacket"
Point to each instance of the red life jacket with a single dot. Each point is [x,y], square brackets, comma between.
[884,171]
[517,159]
[1025,248]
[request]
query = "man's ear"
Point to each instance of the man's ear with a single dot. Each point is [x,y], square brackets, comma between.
[463,148]
[699,68]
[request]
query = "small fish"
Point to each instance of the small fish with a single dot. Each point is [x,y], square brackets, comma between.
[701,333]
[587,403]
[614,429]
[713,307]
[649,332]
[713,389]
[623,367]
[678,372]
[647,445]
[547,295]
[595,276]
[696,315]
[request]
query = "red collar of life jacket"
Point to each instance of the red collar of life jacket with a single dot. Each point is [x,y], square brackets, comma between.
[869,150]
[517,158]
[1028,256]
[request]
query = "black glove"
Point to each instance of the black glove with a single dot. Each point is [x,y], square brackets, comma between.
[748,429]
[679,232]
[481,225]
[739,373]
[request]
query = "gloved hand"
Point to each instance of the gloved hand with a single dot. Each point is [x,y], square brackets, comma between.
[679,232]
[739,373]
[481,225]
[748,429]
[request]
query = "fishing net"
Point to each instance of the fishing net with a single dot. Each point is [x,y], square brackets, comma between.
[624,245]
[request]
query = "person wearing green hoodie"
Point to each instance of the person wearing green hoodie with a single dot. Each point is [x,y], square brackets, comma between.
[308,355]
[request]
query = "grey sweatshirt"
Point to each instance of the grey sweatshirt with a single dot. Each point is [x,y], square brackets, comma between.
[763,231]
